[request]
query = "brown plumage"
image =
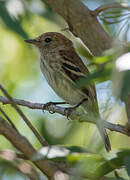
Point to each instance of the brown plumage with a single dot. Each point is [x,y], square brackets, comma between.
[62,68]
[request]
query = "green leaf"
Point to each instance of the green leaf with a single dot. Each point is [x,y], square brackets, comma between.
[102,59]
[104,67]
[127,164]
[115,178]
[95,166]
[11,23]
[101,75]
[112,164]
[125,90]
[90,165]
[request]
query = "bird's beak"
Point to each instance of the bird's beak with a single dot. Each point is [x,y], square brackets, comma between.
[32,41]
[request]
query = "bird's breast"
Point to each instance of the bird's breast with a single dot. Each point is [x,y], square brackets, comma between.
[59,83]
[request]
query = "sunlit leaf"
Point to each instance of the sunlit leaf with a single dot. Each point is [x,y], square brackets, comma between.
[102,59]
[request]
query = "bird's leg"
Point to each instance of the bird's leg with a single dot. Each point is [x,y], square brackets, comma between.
[69,110]
[46,106]
[80,103]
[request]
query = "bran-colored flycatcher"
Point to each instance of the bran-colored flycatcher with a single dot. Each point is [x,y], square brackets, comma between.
[62,68]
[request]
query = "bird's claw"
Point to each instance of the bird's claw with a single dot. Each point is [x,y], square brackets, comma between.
[46,107]
[69,110]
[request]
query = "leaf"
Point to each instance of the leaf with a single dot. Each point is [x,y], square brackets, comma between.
[101,75]
[112,164]
[104,66]
[11,23]
[127,164]
[115,178]
[76,149]
[125,89]
[90,165]
[102,59]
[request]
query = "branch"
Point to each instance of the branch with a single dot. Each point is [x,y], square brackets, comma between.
[83,24]
[43,142]
[98,10]
[7,118]
[75,115]
[21,166]
[23,145]
[127,105]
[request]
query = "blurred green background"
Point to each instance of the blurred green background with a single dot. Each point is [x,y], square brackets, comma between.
[21,76]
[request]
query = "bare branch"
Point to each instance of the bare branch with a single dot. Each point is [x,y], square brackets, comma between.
[98,10]
[75,115]
[127,104]
[31,105]
[23,145]
[8,119]
[43,142]
[83,24]
[21,166]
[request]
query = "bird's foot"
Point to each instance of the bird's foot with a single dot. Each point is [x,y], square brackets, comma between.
[47,105]
[69,110]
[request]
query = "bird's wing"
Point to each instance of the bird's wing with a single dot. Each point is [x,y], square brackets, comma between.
[72,57]
[74,67]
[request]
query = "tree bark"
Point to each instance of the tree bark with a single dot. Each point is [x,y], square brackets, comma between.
[22,144]
[83,24]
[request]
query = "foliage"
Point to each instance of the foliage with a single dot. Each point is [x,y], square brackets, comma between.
[90,165]
[19,72]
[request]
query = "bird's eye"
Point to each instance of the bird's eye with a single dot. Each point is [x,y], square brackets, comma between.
[47,40]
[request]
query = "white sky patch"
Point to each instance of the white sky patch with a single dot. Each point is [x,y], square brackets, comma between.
[54,151]
[123,62]
[15,7]
[51,152]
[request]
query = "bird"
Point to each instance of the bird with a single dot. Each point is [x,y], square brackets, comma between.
[63,68]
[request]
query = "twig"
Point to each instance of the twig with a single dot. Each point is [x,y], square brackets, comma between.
[63,111]
[23,145]
[116,127]
[77,15]
[12,102]
[21,166]
[117,175]
[8,119]
[98,10]
[21,156]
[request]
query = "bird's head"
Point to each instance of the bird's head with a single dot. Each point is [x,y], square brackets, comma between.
[50,40]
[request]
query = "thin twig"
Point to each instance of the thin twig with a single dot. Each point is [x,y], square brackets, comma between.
[21,166]
[98,10]
[13,103]
[53,108]
[8,119]
[62,110]
[21,156]
[23,145]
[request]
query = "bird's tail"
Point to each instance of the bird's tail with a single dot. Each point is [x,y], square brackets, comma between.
[104,136]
